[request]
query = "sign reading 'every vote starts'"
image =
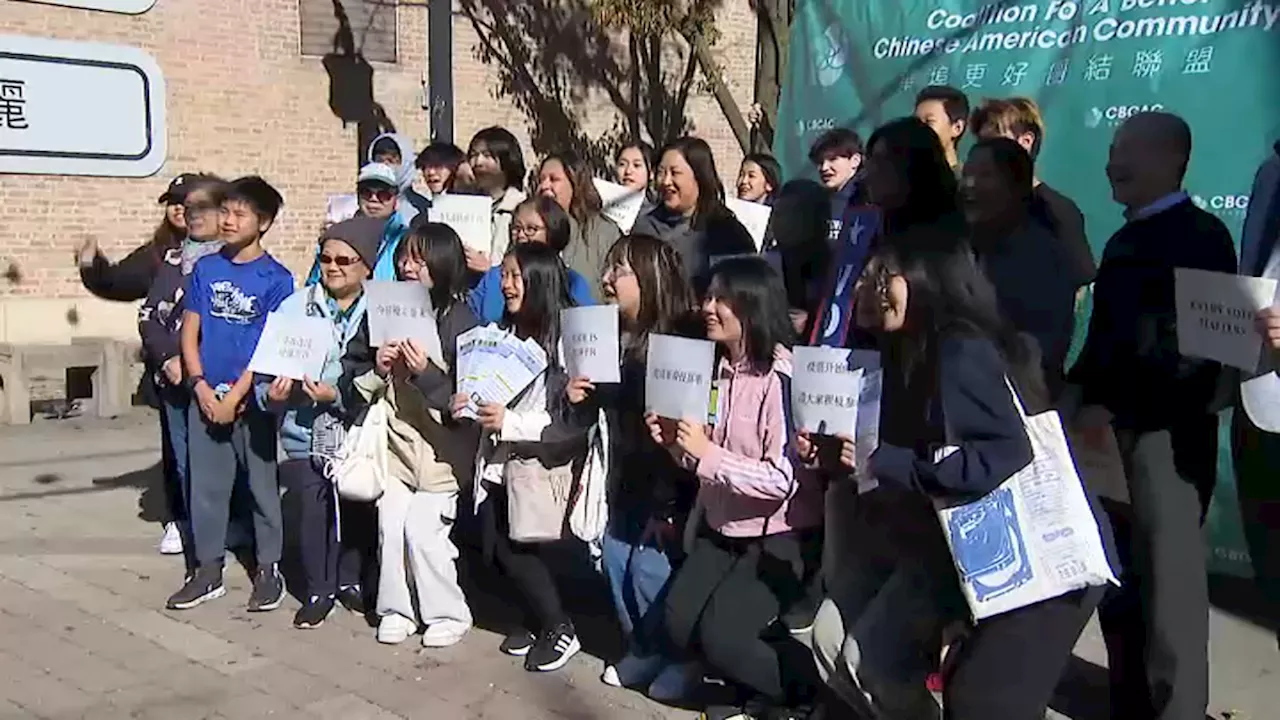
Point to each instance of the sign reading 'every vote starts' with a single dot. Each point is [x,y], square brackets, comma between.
[678,377]
[590,338]
[1216,313]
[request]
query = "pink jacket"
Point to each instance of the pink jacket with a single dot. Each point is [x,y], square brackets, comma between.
[750,485]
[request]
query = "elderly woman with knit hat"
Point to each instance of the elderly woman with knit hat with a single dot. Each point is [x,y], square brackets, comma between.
[312,425]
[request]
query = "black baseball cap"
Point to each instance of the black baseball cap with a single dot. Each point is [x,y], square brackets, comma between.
[177,190]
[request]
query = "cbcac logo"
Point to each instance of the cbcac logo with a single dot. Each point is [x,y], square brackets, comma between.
[814,125]
[1220,204]
[1116,114]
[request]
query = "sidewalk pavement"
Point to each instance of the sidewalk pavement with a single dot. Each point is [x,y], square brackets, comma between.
[83,632]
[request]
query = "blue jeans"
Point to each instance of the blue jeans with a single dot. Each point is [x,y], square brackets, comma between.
[638,575]
[177,488]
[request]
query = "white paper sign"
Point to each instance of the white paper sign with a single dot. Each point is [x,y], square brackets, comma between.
[402,311]
[471,216]
[678,377]
[341,207]
[621,203]
[1215,315]
[292,346]
[753,216]
[825,389]
[867,438]
[590,339]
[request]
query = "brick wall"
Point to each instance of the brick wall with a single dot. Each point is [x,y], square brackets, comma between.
[241,98]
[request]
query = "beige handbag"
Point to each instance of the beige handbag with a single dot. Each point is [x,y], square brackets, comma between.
[538,499]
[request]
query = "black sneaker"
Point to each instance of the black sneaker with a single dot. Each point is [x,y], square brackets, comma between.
[203,585]
[553,649]
[517,644]
[352,598]
[313,612]
[268,590]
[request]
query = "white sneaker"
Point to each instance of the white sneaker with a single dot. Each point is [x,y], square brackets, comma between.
[444,634]
[171,543]
[394,629]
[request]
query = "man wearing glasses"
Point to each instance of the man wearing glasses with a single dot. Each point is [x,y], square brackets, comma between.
[378,196]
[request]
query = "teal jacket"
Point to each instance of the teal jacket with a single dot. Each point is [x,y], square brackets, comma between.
[298,414]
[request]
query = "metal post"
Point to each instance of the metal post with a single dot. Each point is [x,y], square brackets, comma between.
[440,68]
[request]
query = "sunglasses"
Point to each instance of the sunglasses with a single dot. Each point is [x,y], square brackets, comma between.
[339,260]
[376,194]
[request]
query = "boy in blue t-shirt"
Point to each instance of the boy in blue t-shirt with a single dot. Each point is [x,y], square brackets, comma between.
[228,297]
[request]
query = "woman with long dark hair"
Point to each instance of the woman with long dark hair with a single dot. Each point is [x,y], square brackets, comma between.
[1020,256]
[950,432]
[633,169]
[650,496]
[497,164]
[534,439]
[691,214]
[747,564]
[429,454]
[565,178]
[906,178]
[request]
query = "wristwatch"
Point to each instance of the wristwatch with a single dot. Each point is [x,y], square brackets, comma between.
[193,381]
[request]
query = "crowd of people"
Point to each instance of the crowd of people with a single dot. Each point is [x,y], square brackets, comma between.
[731,536]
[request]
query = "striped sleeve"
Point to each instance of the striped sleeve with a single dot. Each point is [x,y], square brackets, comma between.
[771,477]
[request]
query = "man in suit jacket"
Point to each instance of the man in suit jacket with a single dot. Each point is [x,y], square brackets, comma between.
[1255,428]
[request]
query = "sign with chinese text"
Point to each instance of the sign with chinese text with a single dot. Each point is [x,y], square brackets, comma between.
[678,377]
[825,387]
[590,337]
[127,7]
[402,311]
[75,108]
[471,216]
[1090,65]
[292,346]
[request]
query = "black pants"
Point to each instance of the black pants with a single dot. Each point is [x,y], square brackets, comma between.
[524,565]
[1156,625]
[330,563]
[1011,663]
[723,599]
[1257,459]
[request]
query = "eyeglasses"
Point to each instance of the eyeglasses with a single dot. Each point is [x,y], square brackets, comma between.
[339,260]
[378,194]
[614,272]
[527,230]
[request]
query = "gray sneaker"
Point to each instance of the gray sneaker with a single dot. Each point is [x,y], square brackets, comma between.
[268,589]
[203,585]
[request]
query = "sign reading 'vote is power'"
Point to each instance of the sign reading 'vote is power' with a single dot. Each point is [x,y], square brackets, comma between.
[74,108]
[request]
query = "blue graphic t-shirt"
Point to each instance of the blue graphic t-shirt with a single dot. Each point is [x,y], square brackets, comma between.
[232,301]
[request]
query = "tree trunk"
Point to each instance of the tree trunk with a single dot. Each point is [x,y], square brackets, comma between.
[773,35]
[728,106]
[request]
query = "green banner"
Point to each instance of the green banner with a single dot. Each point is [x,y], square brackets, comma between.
[1090,65]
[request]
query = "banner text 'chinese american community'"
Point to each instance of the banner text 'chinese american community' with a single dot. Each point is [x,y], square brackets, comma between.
[1023,27]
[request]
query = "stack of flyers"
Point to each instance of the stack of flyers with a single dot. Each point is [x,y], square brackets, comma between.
[494,366]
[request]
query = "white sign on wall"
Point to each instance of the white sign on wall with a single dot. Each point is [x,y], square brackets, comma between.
[128,7]
[78,108]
